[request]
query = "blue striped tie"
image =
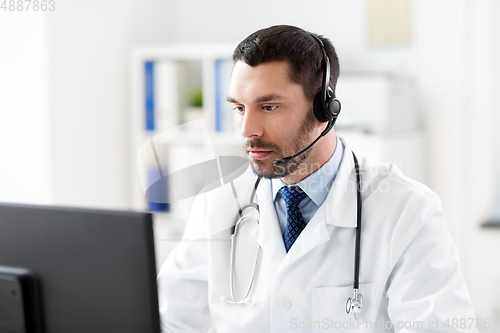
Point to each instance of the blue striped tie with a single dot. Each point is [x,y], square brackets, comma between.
[295,223]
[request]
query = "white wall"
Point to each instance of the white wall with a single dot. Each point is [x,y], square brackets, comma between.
[481,117]
[89,78]
[24,114]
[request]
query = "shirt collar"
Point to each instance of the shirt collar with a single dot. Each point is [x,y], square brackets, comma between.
[318,184]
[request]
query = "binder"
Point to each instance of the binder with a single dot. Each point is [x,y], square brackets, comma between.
[149,102]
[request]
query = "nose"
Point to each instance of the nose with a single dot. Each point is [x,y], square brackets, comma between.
[251,124]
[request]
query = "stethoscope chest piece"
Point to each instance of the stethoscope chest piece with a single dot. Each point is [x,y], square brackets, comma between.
[355,305]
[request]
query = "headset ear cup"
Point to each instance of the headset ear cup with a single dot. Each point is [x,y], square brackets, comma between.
[334,107]
[319,109]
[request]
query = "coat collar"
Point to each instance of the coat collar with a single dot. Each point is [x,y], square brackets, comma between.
[268,232]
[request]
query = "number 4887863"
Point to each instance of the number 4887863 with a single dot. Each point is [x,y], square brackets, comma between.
[28,5]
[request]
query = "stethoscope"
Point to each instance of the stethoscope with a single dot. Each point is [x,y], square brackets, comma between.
[353,305]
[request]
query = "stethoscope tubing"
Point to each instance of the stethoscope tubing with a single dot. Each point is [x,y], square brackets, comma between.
[357,249]
[231,270]
[240,220]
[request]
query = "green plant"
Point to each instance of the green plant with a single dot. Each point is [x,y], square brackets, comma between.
[196,98]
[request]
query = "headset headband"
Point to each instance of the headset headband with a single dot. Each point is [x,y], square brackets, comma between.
[326,72]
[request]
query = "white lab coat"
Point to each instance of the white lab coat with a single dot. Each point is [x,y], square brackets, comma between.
[410,275]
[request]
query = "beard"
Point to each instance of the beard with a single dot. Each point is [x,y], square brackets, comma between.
[301,140]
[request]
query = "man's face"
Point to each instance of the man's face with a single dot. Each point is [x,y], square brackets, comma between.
[273,115]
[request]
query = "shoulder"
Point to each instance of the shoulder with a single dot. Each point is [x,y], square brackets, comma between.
[399,209]
[386,180]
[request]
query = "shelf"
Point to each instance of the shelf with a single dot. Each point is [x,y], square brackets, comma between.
[196,137]
[163,78]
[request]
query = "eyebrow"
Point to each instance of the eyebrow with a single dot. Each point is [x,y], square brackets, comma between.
[265,98]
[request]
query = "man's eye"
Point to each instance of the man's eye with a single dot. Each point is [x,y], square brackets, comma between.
[239,109]
[269,107]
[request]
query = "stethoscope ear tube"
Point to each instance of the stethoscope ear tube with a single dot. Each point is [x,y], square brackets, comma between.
[358,224]
[355,304]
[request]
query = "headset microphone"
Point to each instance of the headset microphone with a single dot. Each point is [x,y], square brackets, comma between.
[283,161]
[326,106]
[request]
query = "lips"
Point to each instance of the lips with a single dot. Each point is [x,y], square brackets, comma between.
[258,154]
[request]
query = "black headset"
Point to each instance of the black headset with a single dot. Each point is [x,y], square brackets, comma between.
[326,106]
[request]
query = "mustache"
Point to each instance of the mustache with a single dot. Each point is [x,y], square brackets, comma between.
[260,144]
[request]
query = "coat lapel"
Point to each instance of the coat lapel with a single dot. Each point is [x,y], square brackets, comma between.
[315,233]
[268,232]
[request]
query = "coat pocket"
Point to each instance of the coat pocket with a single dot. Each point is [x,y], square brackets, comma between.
[329,309]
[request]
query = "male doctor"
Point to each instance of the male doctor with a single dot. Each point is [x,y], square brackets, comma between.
[294,256]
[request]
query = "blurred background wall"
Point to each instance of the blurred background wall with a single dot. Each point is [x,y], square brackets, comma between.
[64,98]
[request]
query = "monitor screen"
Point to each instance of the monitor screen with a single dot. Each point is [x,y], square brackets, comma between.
[95,269]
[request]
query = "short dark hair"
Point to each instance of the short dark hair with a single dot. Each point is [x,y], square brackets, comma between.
[298,48]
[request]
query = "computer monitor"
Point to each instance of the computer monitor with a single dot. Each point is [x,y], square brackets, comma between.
[95,269]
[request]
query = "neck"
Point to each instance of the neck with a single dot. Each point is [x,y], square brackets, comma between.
[322,152]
